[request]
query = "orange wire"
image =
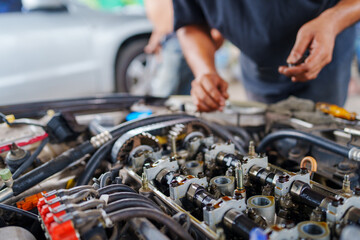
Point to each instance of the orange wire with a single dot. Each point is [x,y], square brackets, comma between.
[310,160]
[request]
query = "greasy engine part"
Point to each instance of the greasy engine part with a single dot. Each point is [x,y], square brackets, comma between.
[143,145]
[177,176]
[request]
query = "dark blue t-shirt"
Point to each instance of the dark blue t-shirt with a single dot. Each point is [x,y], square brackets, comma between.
[264,31]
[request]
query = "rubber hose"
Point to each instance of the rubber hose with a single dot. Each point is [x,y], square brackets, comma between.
[30,160]
[95,160]
[115,188]
[130,203]
[53,166]
[318,141]
[124,195]
[19,211]
[241,132]
[224,134]
[151,214]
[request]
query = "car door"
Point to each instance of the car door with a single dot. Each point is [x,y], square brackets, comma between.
[45,55]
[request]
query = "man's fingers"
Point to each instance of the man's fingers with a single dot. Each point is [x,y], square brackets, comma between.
[201,107]
[307,75]
[302,42]
[203,96]
[223,86]
[308,70]
[292,71]
[212,90]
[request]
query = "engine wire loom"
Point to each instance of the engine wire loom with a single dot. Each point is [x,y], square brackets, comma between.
[179,176]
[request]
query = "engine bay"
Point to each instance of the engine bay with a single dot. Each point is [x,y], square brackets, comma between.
[123,167]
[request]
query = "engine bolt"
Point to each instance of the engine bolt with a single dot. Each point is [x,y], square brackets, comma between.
[209,207]
[174,183]
[252,152]
[346,184]
[357,191]
[303,171]
[335,203]
[281,179]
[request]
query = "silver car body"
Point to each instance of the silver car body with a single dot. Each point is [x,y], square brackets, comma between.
[51,55]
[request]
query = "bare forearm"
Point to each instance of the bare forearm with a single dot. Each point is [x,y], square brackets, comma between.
[160,13]
[198,49]
[343,14]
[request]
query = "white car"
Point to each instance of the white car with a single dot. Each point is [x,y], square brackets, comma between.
[59,50]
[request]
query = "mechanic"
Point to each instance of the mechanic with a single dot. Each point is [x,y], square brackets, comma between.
[270,35]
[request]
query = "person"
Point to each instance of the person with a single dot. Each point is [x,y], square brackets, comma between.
[173,75]
[316,39]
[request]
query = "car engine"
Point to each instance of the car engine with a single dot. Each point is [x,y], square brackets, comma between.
[125,167]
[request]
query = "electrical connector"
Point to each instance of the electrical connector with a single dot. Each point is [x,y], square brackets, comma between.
[30,202]
[55,230]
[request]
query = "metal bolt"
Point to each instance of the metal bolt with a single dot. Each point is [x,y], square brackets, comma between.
[357,191]
[173,145]
[252,152]
[209,207]
[144,181]
[239,176]
[237,195]
[303,170]
[174,183]
[281,179]
[346,184]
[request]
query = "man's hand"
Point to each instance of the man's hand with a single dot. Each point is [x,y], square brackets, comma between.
[318,36]
[209,92]
[154,44]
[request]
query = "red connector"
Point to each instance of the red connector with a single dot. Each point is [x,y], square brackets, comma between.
[56,231]
[63,231]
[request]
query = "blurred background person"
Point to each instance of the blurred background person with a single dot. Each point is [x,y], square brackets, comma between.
[173,75]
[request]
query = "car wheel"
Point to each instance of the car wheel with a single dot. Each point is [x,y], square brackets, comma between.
[133,68]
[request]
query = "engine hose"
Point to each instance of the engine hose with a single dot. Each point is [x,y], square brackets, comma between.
[151,214]
[94,162]
[125,195]
[30,160]
[318,141]
[241,132]
[53,166]
[127,203]
[95,159]
[19,211]
[224,134]
[115,188]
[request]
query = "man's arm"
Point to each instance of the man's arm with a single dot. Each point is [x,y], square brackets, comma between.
[160,14]
[319,36]
[209,90]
